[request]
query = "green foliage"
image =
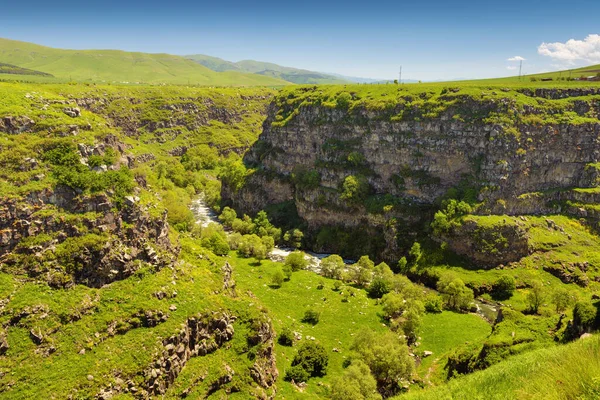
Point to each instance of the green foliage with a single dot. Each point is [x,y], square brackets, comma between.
[562,299]
[449,217]
[311,317]
[293,238]
[355,189]
[200,157]
[379,287]
[433,304]
[228,215]
[312,358]
[287,272]
[455,294]
[362,271]
[277,278]
[233,172]
[415,254]
[387,357]
[332,266]
[536,296]
[306,179]
[584,317]
[252,246]
[286,337]
[296,260]
[357,383]
[504,287]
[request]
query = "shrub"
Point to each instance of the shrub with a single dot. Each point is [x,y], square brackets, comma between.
[584,317]
[356,383]
[293,238]
[378,287]
[503,288]
[277,278]
[287,272]
[312,358]
[311,317]
[355,189]
[296,261]
[536,296]
[286,337]
[297,374]
[433,304]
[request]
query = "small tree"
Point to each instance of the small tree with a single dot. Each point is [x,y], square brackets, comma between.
[536,296]
[584,317]
[296,261]
[562,299]
[455,294]
[357,383]
[403,265]
[415,254]
[363,270]
[504,287]
[332,266]
[293,238]
[312,358]
[228,215]
[277,278]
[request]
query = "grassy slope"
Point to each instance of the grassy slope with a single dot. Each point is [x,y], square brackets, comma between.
[14,70]
[121,66]
[564,372]
[590,70]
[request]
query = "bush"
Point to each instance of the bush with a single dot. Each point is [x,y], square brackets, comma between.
[296,261]
[312,358]
[356,383]
[293,238]
[503,288]
[311,317]
[277,278]
[287,272]
[379,287]
[286,337]
[297,374]
[584,317]
[433,305]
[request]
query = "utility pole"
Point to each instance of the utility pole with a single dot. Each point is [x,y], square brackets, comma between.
[400,76]
[520,68]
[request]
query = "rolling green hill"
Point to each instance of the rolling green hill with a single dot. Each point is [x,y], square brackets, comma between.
[293,75]
[121,66]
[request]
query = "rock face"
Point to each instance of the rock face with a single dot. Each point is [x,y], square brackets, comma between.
[132,235]
[517,169]
[200,336]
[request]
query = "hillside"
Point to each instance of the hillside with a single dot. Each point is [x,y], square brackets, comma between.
[294,75]
[14,70]
[121,66]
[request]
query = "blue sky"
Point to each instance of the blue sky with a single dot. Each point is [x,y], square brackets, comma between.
[431,40]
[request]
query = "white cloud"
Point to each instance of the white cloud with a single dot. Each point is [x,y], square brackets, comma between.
[516,58]
[512,68]
[573,50]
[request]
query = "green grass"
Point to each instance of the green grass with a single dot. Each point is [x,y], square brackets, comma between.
[338,323]
[444,332]
[14,70]
[123,67]
[564,372]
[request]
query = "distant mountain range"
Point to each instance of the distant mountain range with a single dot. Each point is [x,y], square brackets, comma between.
[293,75]
[122,66]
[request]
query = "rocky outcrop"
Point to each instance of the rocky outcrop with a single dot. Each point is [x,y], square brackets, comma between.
[490,245]
[264,370]
[131,235]
[198,337]
[409,163]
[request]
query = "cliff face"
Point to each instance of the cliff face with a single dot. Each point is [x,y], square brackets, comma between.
[411,157]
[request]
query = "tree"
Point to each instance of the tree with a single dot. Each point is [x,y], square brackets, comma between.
[356,383]
[393,305]
[332,266]
[363,270]
[379,287]
[233,172]
[277,278]
[296,261]
[293,238]
[354,189]
[252,246]
[388,358]
[504,287]
[312,358]
[562,299]
[536,296]
[228,215]
[455,294]
[402,265]
[415,254]
[216,243]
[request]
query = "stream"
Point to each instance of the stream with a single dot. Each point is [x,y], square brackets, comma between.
[205,216]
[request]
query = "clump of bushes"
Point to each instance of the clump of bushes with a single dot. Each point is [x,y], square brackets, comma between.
[311,317]
[311,360]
